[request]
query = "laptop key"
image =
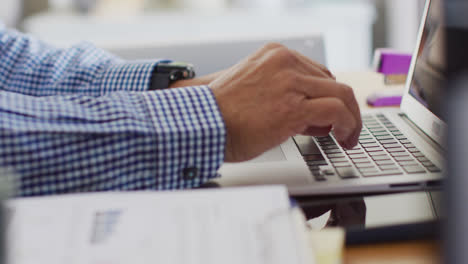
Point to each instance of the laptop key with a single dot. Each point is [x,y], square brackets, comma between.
[365,160]
[422,159]
[405,141]
[372,123]
[412,150]
[317,163]
[389,167]
[319,177]
[330,147]
[306,145]
[347,173]
[316,157]
[383,137]
[369,145]
[314,168]
[368,170]
[355,148]
[336,160]
[336,155]
[327,170]
[382,173]
[332,151]
[400,149]
[414,169]
[409,145]
[408,163]
[377,153]
[427,164]
[406,158]
[323,139]
[374,126]
[389,146]
[371,141]
[388,141]
[374,149]
[341,164]
[433,169]
[385,162]
[418,154]
[357,156]
[357,151]
[383,157]
[327,143]
[364,165]
[377,134]
[399,154]
[378,131]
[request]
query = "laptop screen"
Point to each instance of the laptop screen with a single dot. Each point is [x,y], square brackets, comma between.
[429,71]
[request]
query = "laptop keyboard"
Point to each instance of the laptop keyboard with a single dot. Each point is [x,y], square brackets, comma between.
[382,151]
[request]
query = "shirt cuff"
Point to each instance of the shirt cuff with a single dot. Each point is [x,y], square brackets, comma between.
[133,76]
[191,135]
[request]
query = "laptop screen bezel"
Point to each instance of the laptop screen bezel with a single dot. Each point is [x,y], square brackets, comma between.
[421,116]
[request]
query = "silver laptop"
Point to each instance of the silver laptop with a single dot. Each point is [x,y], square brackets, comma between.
[399,149]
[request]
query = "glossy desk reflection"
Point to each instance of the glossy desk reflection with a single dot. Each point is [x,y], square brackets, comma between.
[371,210]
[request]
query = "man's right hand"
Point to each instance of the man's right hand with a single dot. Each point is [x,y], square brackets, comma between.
[277,93]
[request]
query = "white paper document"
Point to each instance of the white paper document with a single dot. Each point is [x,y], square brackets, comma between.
[243,225]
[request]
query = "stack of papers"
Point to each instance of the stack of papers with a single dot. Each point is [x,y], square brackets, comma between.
[242,225]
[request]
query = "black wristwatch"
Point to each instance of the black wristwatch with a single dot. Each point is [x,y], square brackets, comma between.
[165,73]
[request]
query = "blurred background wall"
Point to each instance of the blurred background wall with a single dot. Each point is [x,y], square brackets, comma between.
[387,23]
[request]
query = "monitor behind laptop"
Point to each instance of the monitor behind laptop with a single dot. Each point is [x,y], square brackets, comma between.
[209,57]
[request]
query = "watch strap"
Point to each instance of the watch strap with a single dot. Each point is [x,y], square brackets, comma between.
[159,80]
[166,72]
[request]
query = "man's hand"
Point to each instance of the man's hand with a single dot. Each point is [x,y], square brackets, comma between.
[277,93]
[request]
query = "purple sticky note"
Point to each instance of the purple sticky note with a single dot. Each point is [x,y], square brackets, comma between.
[387,98]
[392,62]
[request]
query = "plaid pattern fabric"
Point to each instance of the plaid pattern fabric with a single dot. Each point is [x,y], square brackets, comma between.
[79,120]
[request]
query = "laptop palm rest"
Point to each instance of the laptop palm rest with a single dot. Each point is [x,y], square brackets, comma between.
[275,154]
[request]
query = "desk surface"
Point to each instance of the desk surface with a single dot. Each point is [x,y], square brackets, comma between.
[365,83]
[416,252]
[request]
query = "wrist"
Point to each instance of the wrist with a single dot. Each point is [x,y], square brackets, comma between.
[203,80]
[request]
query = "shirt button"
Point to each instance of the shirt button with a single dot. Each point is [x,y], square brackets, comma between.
[190,173]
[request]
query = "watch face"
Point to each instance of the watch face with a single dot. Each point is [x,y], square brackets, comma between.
[176,70]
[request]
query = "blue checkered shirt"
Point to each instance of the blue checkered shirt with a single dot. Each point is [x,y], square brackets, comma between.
[81,120]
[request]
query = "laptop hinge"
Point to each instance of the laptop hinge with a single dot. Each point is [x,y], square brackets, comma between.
[423,135]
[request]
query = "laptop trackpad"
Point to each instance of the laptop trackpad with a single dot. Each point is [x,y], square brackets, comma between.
[275,154]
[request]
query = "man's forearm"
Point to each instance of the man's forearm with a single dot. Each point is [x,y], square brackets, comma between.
[169,139]
[29,66]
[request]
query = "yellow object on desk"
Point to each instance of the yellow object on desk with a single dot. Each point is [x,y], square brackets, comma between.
[327,245]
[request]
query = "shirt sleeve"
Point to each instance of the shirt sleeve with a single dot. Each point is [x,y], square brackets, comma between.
[31,67]
[159,140]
